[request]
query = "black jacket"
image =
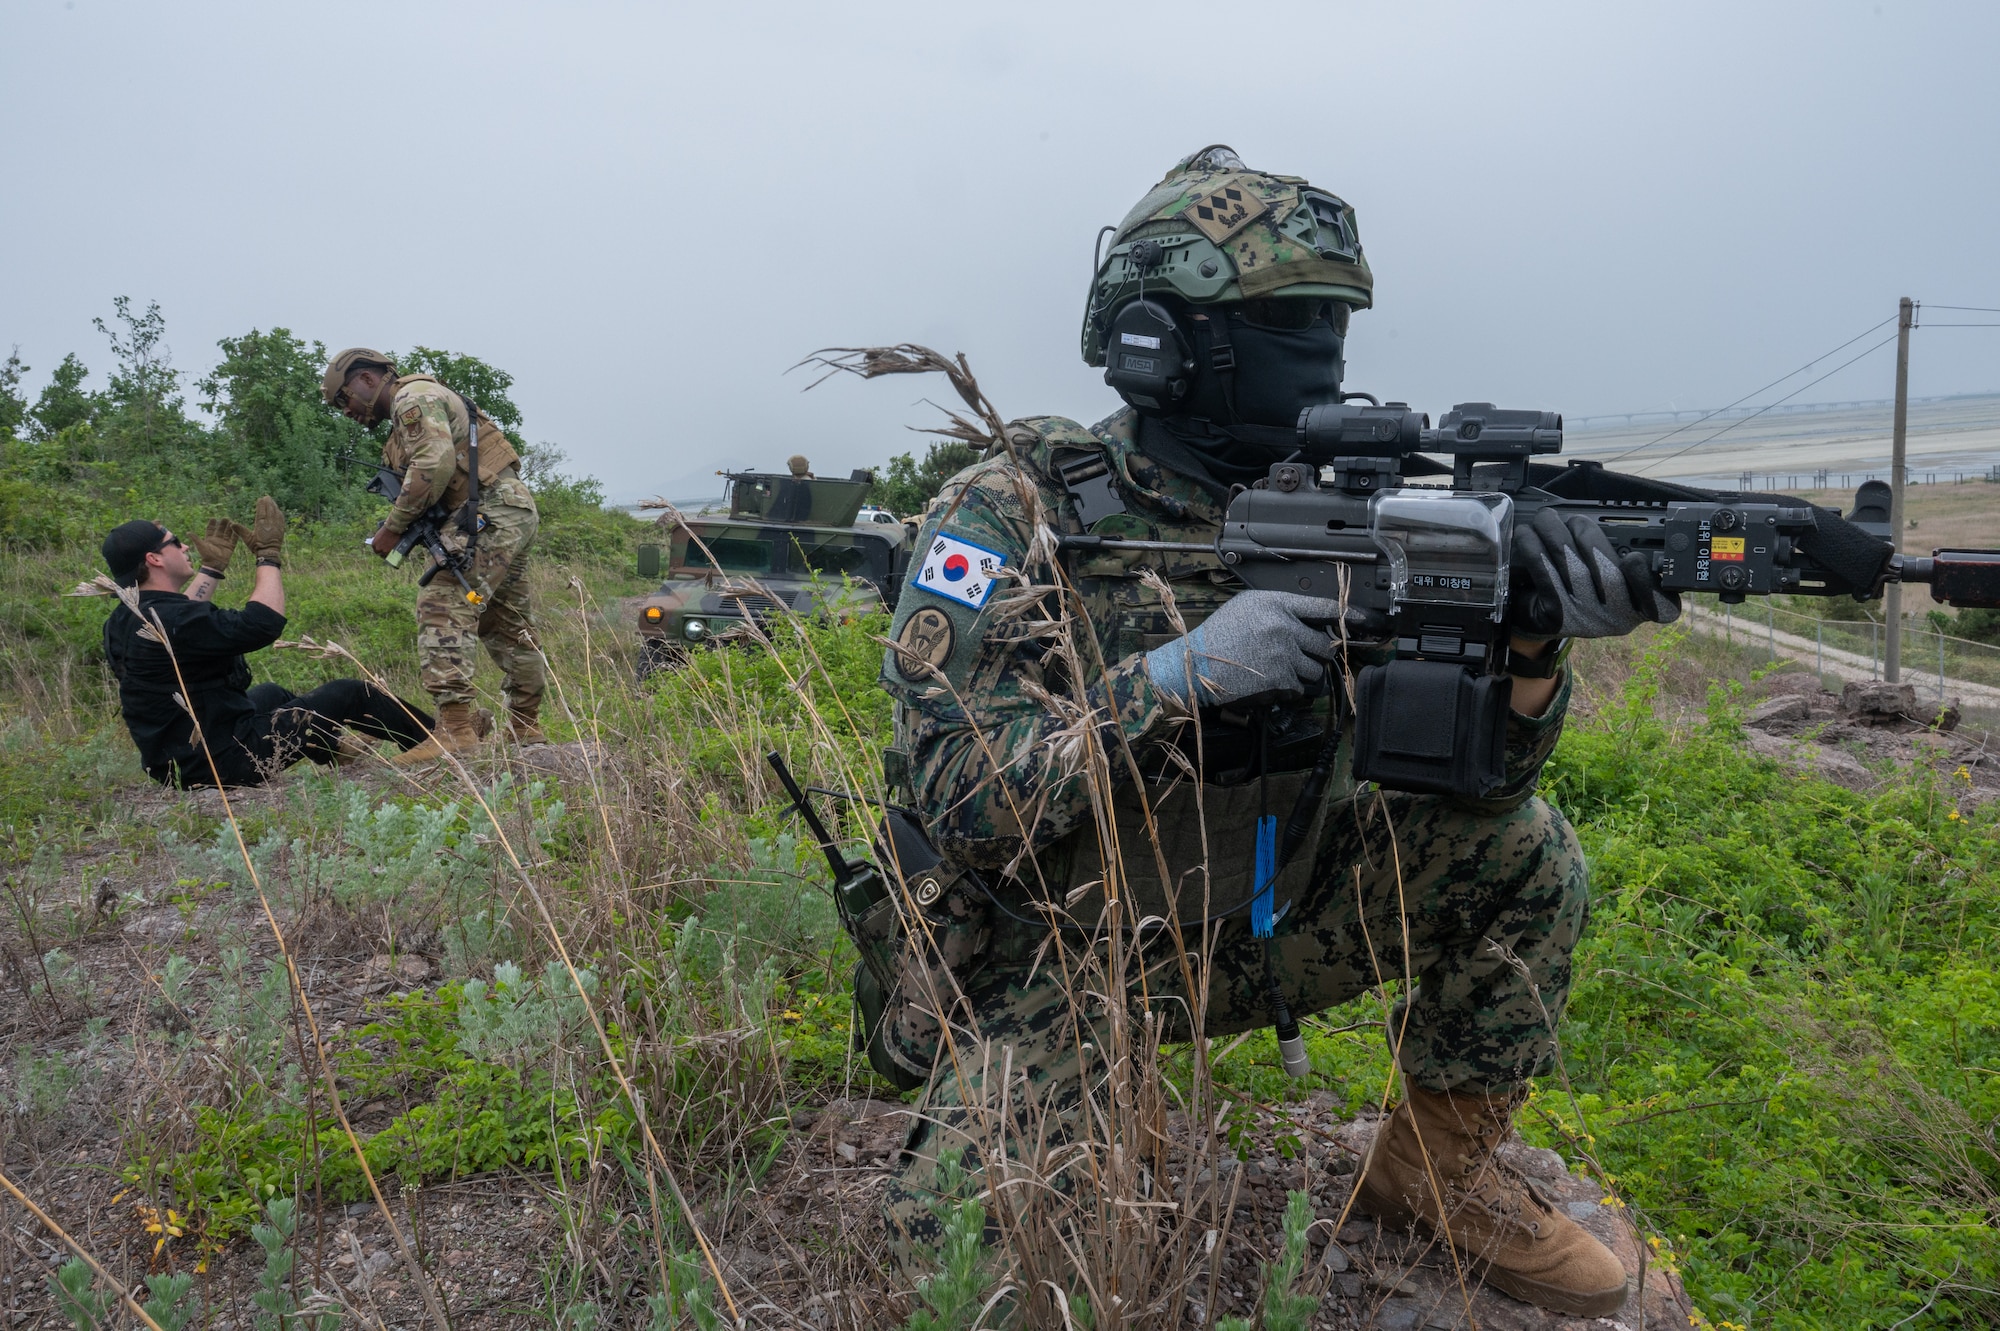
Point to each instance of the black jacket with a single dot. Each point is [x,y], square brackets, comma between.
[208,644]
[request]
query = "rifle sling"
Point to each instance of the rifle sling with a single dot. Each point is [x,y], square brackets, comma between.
[468,517]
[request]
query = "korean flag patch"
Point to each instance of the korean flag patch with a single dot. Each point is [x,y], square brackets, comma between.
[960,571]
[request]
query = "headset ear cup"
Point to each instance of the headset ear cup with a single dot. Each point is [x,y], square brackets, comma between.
[1146,356]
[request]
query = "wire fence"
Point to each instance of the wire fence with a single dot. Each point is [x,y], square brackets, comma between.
[1932,660]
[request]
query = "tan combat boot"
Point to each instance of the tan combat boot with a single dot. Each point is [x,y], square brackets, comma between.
[352,749]
[457,731]
[524,723]
[1517,1241]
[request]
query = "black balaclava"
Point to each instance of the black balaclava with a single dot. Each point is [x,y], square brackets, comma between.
[1233,424]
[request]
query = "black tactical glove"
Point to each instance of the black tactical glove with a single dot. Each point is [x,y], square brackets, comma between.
[1569,583]
[1258,642]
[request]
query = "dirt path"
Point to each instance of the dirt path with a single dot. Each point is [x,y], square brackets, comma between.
[1747,632]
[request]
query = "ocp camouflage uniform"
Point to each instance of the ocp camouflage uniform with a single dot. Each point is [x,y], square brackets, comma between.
[429,440]
[1491,895]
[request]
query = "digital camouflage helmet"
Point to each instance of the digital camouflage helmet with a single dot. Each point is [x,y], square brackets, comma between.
[1222,304]
[1219,231]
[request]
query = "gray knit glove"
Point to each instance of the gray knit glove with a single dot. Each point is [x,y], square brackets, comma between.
[1258,642]
[1570,583]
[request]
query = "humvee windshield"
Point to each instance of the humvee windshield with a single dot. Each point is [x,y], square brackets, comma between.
[738,554]
[837,555]
[747,550]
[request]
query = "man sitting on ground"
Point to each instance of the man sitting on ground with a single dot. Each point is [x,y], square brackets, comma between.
[251,732]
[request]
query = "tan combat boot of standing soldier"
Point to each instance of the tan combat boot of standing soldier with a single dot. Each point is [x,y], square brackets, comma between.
[1513,1238]
[457,732]
[524,723]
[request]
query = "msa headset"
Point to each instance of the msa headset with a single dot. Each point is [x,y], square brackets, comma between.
[1146,356]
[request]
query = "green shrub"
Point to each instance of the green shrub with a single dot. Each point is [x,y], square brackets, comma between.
[1782,1022]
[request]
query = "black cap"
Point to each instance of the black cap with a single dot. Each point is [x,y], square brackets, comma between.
[126,548]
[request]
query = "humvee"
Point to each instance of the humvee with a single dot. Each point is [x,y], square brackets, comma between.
[789,542]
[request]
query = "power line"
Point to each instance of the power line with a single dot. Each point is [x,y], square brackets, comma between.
[1654,462]
[1968,309]
[1986,325]
[1752,393]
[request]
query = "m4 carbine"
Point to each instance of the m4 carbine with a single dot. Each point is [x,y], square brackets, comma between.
[1366,513]
[427,531]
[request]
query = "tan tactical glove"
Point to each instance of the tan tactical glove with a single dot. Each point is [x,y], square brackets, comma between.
[267,534]
[218,545]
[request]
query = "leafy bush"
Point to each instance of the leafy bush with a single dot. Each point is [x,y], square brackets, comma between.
[1782,1022]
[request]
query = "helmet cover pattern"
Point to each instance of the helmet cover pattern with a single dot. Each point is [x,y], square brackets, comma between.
[1214,231]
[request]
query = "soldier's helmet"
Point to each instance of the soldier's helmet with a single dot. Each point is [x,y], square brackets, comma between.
[1273,252]
[346,363]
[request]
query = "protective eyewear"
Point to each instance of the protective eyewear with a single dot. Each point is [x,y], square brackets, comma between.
[1284,314]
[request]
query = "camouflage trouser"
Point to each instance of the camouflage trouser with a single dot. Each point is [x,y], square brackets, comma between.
[1491,905]
[448,624]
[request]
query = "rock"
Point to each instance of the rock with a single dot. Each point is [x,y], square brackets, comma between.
[1943,716]
[1400,1315]
[1784,710]
[1801,682]
[1534,1161]
[1335,1258]
[1820,760]
[1878,703]
[1389,1282]
[384,972]
[865,1132]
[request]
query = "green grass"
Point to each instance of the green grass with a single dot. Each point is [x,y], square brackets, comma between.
[1783,1042]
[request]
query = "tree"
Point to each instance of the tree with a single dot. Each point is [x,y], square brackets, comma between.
[485,384]
[145,385]
[63,401]
[906,486]
[1978,625]
[277,434]
[13,407]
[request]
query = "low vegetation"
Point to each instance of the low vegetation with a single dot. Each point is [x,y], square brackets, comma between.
[1781,1051]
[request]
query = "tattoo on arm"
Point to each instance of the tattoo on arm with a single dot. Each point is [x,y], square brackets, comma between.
[203,587]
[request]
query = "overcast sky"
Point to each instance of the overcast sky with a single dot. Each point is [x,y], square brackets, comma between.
[647,212]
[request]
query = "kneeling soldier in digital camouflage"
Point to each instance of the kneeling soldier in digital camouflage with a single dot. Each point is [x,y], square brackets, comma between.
[429,442]
[1247,281]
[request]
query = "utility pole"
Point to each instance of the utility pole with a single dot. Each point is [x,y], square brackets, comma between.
[1892,596]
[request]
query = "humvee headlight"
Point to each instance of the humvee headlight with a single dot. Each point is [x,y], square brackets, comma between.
[694,630]
[654,614]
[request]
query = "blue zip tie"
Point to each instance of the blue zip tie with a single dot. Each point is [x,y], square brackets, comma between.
[1261,918]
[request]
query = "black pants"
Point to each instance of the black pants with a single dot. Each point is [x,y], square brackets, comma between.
[289,726]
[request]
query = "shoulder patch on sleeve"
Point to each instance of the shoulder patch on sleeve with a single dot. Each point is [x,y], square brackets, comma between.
[925,644]
[411,416]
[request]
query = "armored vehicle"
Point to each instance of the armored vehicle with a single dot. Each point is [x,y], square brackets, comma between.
[789,542]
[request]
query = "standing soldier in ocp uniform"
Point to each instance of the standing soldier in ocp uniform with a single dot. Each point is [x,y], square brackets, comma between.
[1221,311]
[430,439]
